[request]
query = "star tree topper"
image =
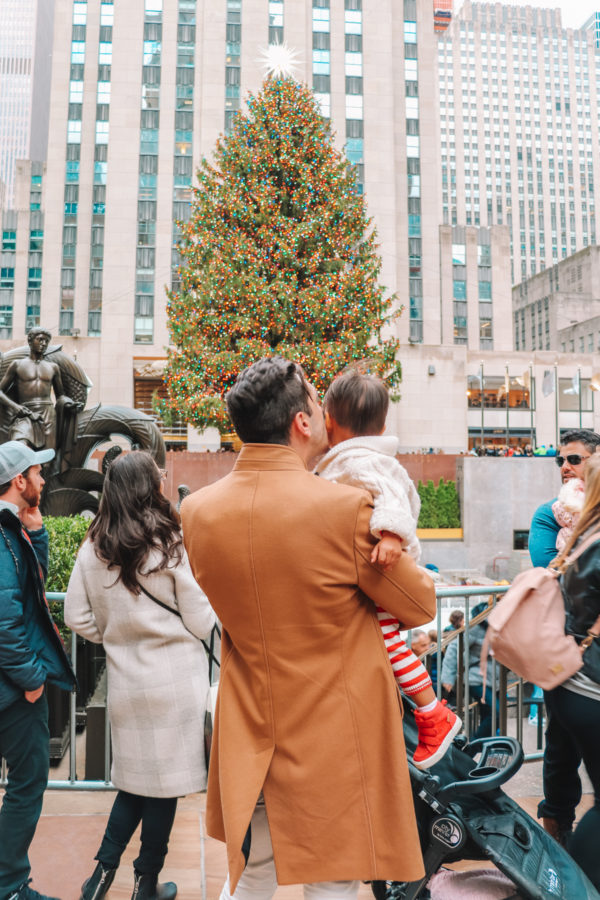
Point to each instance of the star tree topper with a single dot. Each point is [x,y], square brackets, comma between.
[279,60]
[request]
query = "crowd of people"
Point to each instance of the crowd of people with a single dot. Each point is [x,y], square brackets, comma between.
[313,579]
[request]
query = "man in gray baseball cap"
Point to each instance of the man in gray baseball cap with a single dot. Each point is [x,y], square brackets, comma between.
[31,653]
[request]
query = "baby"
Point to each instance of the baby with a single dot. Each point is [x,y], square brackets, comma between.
[566,509]
[355,407]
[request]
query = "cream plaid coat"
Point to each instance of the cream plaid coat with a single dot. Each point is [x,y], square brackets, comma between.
[157,671]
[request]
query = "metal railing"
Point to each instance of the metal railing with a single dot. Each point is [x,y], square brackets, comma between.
[509,688]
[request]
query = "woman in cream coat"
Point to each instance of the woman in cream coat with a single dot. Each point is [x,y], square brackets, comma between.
[156,664]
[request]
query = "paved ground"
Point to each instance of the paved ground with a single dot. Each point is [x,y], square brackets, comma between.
[73,822]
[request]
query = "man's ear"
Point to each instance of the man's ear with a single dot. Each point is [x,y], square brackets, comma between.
[301,425]
[19,482]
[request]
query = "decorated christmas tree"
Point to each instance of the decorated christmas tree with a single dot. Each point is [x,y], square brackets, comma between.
[278,259]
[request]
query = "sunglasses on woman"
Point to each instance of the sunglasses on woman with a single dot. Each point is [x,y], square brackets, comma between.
[574,459]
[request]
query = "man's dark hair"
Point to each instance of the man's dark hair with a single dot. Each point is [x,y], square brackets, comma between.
[265,398]
[585,436]
[358,401]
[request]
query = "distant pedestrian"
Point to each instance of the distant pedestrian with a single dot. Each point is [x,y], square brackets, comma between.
[456,620]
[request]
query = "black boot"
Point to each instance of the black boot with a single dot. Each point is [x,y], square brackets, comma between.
[146,887]
[98,883]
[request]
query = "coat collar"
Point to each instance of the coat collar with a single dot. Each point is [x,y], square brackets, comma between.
[269,457]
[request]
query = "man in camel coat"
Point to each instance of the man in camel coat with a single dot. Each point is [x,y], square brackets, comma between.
[308,747]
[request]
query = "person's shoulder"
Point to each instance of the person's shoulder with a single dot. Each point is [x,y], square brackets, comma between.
[544,514]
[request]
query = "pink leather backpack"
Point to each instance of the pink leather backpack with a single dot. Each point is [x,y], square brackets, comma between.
[526,629]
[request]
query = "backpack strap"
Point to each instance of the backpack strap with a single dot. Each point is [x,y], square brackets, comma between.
[582,548]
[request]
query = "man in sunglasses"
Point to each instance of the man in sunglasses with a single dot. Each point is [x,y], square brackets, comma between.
[576,448]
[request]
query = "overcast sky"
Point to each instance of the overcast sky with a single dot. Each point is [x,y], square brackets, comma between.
[574,12]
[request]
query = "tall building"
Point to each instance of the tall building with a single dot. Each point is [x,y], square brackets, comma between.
[559,309]
[520,139]
[593,24]
[141,91]
[25,66]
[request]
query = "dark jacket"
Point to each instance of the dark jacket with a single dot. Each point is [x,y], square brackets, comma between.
[581,594]
[31,651]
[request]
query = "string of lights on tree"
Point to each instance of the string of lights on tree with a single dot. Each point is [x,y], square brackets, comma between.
[279,258]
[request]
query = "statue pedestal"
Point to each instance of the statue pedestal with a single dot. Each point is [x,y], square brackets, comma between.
[207,441]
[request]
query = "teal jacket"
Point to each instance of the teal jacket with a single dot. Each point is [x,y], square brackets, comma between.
[31,650]
[542,535]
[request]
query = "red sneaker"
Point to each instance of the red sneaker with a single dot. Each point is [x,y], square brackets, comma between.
[436,732]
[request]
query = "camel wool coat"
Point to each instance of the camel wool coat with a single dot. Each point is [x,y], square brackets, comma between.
[308,710]
[157,670]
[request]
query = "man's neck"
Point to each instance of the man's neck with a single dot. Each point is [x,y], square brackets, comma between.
[14,497]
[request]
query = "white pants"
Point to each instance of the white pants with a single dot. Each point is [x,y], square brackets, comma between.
[258,880]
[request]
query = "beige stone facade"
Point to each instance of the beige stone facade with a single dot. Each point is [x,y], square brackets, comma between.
[559,309]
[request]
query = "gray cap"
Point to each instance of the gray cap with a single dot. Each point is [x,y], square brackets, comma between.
[15,457]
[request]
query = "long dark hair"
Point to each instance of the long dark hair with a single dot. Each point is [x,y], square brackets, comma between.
[134,518]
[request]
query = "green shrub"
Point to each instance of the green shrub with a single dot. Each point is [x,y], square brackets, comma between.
[66,534]
[440,507]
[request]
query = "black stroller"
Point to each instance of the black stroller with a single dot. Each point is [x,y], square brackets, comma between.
[462,813]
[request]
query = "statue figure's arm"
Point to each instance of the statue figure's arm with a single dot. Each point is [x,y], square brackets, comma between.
[59,390]
[9,378]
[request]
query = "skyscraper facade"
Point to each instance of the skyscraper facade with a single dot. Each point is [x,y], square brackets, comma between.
[25,50]
[141,91]
[520,141]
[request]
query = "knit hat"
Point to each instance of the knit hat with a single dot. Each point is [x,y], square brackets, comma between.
[16,457]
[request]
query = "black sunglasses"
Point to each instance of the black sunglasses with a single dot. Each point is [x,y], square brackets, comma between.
[574,459]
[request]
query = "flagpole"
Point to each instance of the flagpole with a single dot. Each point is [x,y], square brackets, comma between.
[557,445]
[482,400]
[507,392]
[579,393]
[531,440]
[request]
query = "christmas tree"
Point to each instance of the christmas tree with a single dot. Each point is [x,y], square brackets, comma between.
[278,259]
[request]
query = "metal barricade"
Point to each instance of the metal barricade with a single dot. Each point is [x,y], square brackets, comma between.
[509,688]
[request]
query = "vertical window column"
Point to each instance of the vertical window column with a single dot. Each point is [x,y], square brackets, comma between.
[184,126]
[145,271]
[413,169]
[100,166]
[459,284]
[321,55]
[73,154]
[353,71]
[8,249]
[275,21]
[36,237]
[233,61]
[484,264]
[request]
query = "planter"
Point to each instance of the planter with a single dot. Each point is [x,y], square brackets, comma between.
[440,534]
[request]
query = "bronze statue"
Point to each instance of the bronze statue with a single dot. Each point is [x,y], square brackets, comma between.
[28,376]
[31,381]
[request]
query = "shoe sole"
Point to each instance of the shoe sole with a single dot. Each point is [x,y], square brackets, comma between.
[442,749]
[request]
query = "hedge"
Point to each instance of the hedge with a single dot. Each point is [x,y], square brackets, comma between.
[66,534]
[440,507]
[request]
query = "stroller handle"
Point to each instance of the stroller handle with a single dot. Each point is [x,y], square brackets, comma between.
[500,758]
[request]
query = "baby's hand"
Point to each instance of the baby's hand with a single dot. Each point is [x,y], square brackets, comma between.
[387,552]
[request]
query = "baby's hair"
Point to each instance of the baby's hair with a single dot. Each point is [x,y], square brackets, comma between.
[357,401]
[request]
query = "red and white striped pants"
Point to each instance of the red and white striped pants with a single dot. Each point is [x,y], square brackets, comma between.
[411,675]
